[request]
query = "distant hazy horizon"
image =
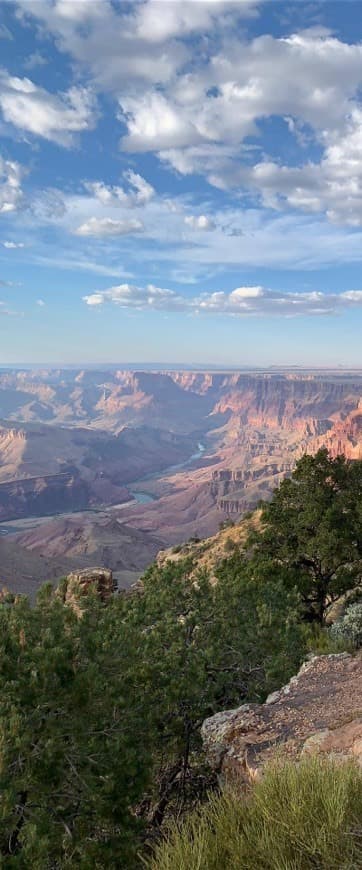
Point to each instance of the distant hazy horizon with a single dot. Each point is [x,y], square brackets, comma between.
[164,367]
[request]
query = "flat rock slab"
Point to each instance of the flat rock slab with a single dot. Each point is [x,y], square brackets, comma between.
[319,710]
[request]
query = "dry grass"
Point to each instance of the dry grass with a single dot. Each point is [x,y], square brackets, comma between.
[298,817]
[210,552]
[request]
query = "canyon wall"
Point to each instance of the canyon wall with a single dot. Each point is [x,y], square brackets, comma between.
[112,428]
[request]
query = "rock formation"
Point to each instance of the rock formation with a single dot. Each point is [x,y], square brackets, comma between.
[319,711]
[78,584]
[109,430]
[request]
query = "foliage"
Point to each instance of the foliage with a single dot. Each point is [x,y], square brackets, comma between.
[230,545]
[205,648]
[312,530]
[100,715]
[349,628]
[299,816]
[73,747]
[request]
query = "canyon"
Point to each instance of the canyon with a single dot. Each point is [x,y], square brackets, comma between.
[95,464]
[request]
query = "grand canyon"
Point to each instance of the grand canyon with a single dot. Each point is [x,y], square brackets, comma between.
[109,467]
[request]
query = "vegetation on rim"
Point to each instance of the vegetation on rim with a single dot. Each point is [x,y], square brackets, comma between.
[100,716]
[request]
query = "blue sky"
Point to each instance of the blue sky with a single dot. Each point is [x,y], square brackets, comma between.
[181,181]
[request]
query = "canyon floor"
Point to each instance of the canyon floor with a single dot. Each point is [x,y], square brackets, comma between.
[109,467]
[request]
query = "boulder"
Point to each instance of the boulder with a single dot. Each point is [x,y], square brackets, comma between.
[318,711]
[81,583]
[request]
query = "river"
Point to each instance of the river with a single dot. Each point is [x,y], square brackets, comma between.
[25,524]
[144,497]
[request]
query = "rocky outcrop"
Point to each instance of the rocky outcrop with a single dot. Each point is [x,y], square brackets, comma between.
[82,583]
[319,711]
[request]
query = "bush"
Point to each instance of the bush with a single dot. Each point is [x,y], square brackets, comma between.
[349,628]
[299,816]
[230,545]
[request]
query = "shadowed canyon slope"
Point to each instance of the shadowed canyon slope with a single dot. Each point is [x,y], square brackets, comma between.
[98,440]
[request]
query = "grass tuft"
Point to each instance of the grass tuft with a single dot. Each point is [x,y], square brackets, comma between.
[305,816]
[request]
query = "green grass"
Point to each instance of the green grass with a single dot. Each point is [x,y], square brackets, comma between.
[299,817]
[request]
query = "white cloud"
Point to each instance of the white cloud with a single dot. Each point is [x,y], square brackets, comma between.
[40,302]
[125,45]
[311,80]
[157,22]
[107,40]
[13,245]
[140,191]
[108,227]
[308,76]
[141,298]
[156,122]
[333,186]
[57,117]
[242,302]
[10,185]
[199,222]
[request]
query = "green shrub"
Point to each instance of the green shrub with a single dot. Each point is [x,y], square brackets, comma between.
[298,817]
[177,548]
[230,545]
[349,628]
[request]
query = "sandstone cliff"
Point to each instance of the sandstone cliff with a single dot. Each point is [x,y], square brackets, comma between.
[115,427]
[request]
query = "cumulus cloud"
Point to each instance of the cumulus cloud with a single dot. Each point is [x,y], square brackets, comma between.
[131,296]
[11,174]
[308,76]
[136,42]
[107,40]
[57,117]
[203,122]
[333,185]
[108,227]
[139,191]
[156,122]
[157,22]
[199,222]
[206,117]
[241,302]
[40,302]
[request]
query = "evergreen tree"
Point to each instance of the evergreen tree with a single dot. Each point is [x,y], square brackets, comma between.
[74,755]
[313,530]
[207,647]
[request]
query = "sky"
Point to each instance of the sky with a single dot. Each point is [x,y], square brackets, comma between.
[181,181]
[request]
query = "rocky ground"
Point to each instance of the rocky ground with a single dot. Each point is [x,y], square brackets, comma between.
[319,711]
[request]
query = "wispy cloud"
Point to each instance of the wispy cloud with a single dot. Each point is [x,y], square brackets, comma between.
[74,264]
[11,246]
[11,174]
